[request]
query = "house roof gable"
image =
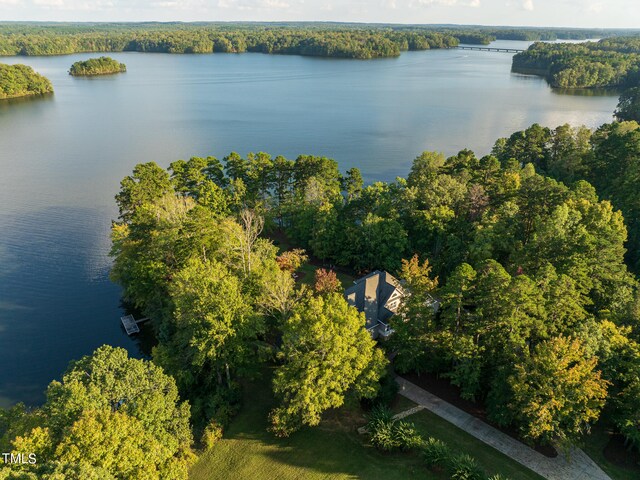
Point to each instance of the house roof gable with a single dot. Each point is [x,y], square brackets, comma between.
[378,295]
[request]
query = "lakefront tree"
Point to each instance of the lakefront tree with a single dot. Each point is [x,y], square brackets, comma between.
[107,407]
[326,355]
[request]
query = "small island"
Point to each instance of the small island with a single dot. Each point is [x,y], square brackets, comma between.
[97,66]
[22,81]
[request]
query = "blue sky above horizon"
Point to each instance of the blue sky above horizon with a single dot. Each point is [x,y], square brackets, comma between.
[565,13]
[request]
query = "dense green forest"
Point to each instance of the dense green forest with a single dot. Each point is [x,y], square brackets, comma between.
[531,254]
[97,66]
[526,257]
[110,417]
[348,42]
[610,62]
[484,35]
[629,105]
[22,81]
[316,39]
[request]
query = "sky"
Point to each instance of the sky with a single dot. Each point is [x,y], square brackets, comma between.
[564,13]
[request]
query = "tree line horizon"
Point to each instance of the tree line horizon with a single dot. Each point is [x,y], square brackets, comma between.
[361,41]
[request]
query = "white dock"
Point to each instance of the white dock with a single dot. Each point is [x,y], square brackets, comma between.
[129,324]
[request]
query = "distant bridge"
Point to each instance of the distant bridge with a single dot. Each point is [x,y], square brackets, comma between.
[491,49]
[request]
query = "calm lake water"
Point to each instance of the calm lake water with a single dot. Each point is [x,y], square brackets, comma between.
[62,157]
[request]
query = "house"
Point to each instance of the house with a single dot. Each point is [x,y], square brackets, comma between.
[378,295]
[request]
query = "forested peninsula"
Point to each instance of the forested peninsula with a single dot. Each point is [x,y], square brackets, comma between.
[525,248]
[610,62]
[97,66]
[531,253]
[22,81]
[360,41]
[310,40]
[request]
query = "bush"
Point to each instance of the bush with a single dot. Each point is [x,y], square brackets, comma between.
[406,436]
[387,434]
[465,467]
[387,391]
[222,405]
[379,413]
[436,453]
[211,434]
[383,435]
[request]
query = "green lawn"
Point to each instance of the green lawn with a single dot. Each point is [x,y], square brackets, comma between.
[333,450]
[594,445]
[401,404]
[430,425]
[308,271]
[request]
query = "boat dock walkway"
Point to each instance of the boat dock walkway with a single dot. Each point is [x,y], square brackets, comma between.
[131,325]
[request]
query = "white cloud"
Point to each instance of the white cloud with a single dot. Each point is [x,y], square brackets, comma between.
[75,5]
[438,2]
[254,4]
[576,13]
[184,5]
[49,3]
[595,8]
[521,4]
[450,3]
[274,4]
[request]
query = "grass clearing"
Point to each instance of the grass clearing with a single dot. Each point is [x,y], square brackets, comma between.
[594,445]
[307,275]
[333,450]
[401,404]
[492,461]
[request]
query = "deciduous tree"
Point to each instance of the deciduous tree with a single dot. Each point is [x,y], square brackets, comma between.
[326,353]
[326,282]
[557,391]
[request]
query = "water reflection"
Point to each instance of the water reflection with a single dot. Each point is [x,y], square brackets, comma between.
[53,307]
[62,157]
[589,92]
[8,103]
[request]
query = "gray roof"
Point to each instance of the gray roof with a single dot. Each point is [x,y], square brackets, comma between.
[378,295]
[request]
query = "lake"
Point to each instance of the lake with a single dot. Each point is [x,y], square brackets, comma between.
[62,158]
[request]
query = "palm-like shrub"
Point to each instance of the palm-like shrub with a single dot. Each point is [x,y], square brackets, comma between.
[383,435]
[406,436]
[436,453]
[387,434]
[465,467]
[379,412]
